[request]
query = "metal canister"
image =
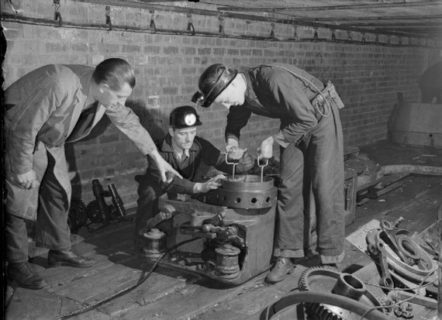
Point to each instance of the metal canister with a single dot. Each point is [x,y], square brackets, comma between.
[227,261]
[154,243]
[246,192]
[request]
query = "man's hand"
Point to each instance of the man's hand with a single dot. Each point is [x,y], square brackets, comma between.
[234,152]
[265,151]
[211,184]
[27,180]
[246,163]
[164,167]
[231,144]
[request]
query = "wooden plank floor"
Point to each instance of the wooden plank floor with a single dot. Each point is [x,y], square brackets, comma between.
[168,294]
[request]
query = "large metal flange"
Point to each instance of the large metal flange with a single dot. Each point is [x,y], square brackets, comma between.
[244,192]
[329,280]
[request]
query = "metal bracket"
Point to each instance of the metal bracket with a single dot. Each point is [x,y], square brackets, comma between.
[57,14]
[108,17]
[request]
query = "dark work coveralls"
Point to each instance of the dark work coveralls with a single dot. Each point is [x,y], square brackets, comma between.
[202,156]
[308,138]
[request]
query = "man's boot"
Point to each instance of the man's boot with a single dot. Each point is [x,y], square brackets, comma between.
[281,269]
[24,276]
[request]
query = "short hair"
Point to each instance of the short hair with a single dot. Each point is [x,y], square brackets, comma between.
[115,72]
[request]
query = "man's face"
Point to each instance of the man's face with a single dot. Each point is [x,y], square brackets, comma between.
[234,94]
[109,97]
[183,138]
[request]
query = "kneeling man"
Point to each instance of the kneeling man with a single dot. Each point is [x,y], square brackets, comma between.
[189,155]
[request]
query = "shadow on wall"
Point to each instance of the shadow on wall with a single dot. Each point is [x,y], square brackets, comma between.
[147,120]
[430,83]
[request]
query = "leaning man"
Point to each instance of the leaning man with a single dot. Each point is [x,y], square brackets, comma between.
[311,142]
[47,108]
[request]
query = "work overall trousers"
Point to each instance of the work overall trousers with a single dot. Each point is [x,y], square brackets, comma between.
[313,168]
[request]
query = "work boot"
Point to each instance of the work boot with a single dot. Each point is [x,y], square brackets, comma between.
[281,269]
[68,258]
[23,275]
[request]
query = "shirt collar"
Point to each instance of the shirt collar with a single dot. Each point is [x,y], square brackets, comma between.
[249,94]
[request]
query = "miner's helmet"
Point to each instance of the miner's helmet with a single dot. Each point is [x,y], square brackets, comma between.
[184,117]
[212,82]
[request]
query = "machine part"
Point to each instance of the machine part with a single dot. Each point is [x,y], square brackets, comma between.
[418,272]
[153,243]
[404,310]
[248,233]
[416,299]
[376,249]
[349,286]
[328,280]
[389,226]
[415,273]
[94,212]
[234,163]
[227,261]
[356,308]
[98,211]
[262,166]
[411,250]
[391,239]
[116,201]
[99,194]
[77,216]
[244,192]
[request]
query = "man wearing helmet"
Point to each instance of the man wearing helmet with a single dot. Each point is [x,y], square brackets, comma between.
[310,133]
[190,156]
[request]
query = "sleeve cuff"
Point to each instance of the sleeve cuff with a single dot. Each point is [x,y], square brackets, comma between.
[281,140]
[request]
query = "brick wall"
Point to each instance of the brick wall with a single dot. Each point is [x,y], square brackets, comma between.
[168,65]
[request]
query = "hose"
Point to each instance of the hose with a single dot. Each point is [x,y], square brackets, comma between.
[145,274]
[326,298]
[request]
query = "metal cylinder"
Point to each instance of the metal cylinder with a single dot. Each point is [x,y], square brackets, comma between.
[227,261]
[153,243]
[245,192]
[349,286]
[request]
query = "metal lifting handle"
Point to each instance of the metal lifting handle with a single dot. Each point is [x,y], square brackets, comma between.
[233,163]
[262,166]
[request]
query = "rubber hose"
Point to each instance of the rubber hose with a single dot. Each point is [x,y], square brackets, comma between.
[326,298]
[411,168]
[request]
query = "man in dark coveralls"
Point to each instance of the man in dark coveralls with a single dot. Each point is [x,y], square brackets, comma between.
[46,108]
[310,134]
[191,156]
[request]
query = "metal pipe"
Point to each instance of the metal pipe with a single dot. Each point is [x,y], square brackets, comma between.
[292,20]
[338,7]
[46,22]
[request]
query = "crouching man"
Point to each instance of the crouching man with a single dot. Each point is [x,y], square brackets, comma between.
[189,155]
